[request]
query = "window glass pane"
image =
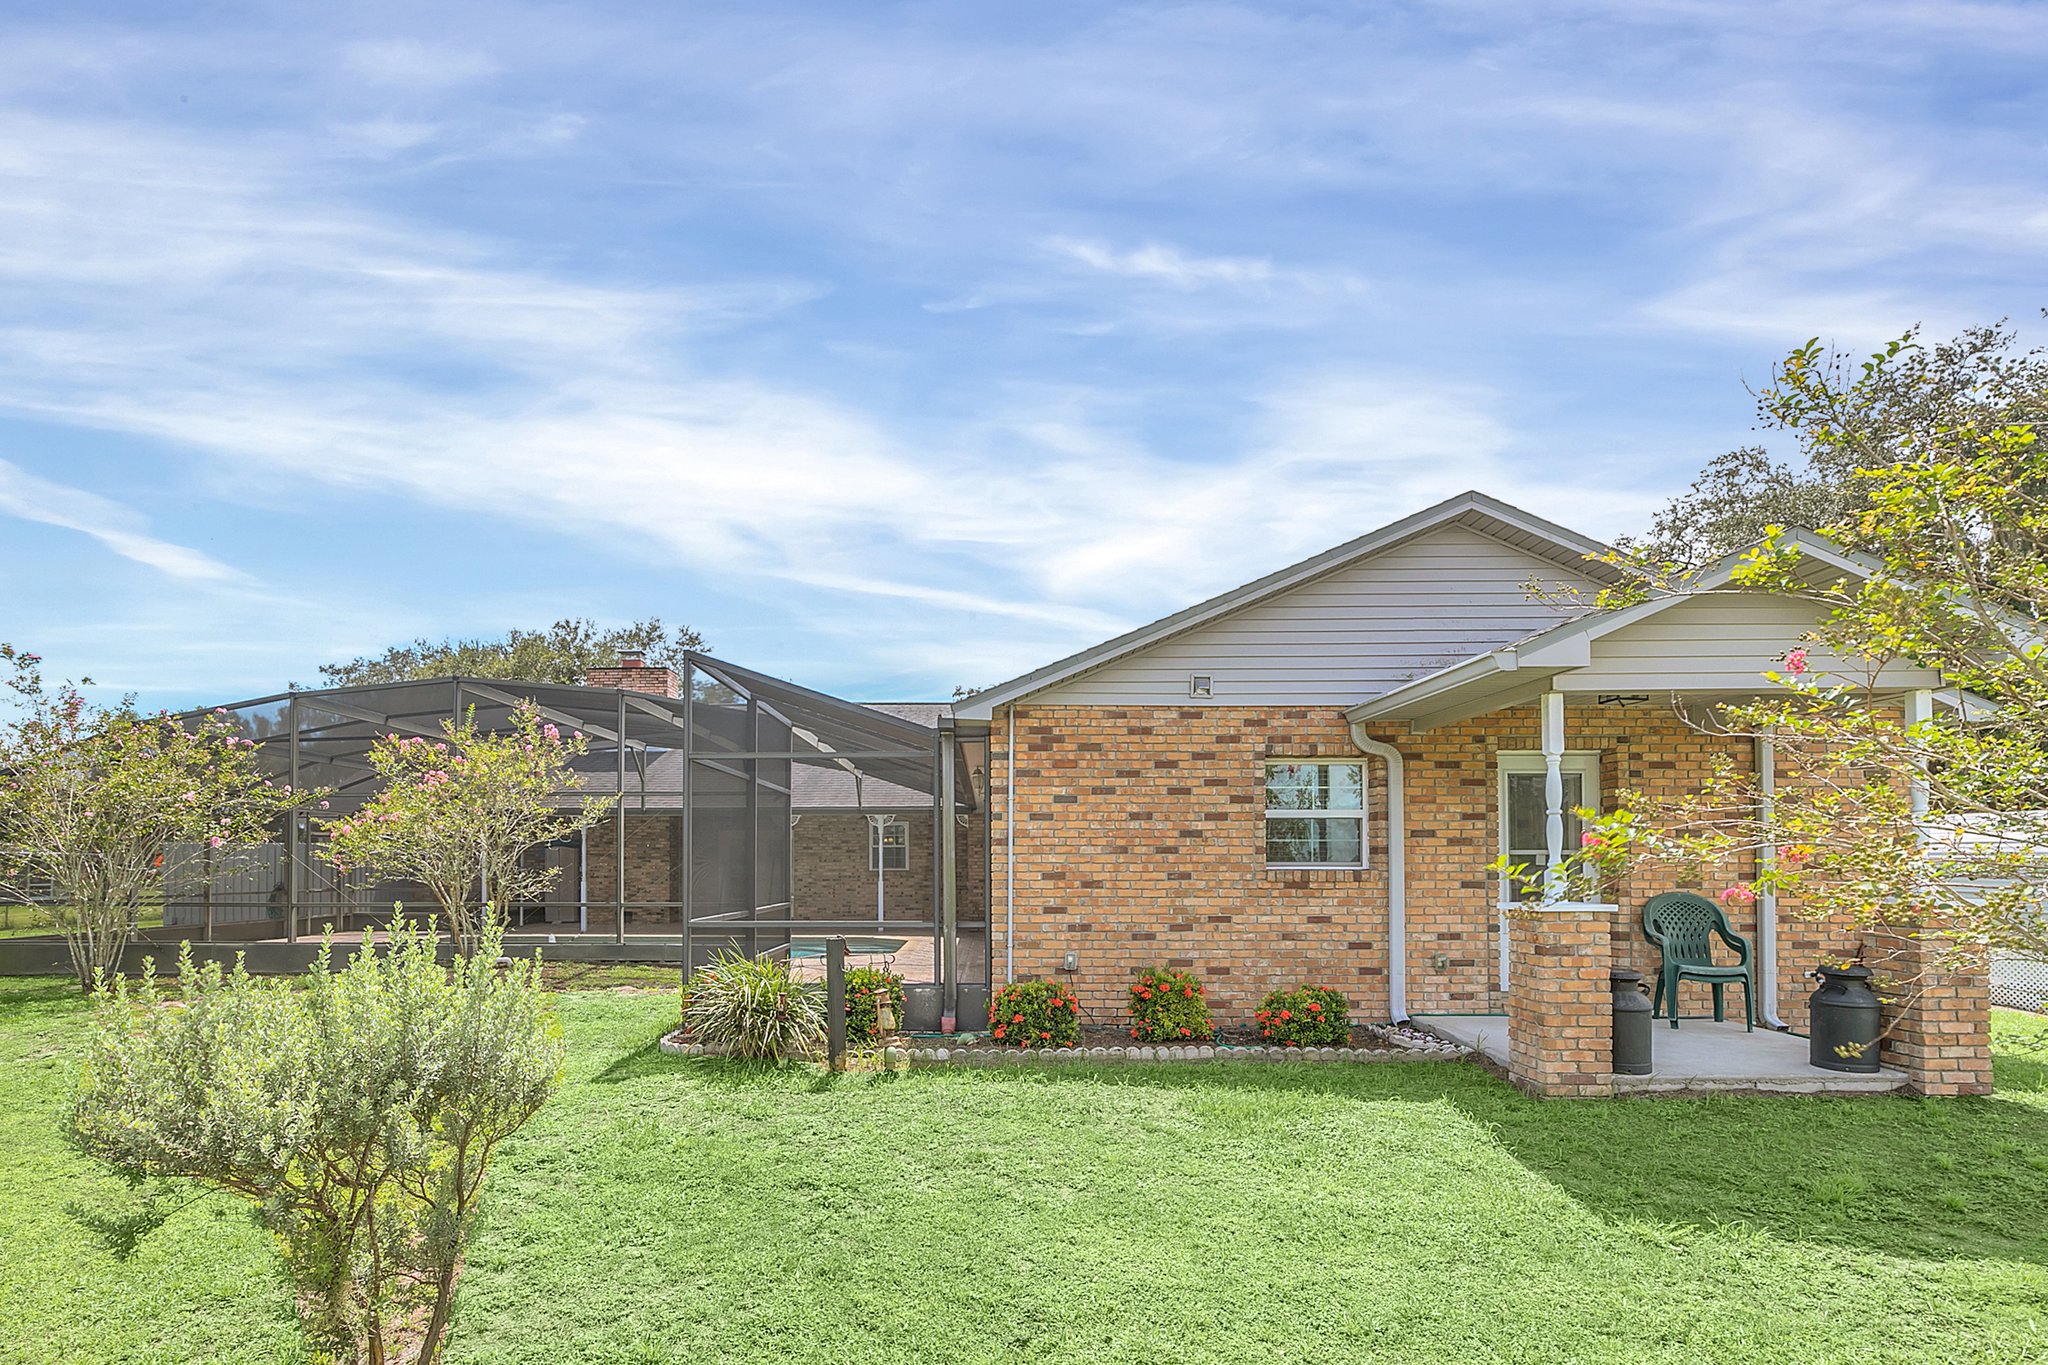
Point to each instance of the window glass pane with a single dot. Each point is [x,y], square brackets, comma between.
[888,846]
[1315,786]
[1290,786]
[1525,811]
[1528,885]
[1528,842]
[1337,842]
[1527,815]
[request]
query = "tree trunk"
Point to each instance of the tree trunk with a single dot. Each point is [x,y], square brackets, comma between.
[437,1321]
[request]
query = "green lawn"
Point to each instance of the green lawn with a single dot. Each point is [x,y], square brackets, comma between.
[664,1209]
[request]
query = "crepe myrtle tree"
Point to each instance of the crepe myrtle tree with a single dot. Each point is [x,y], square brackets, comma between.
[456,813]
[1935,824]
[95,800]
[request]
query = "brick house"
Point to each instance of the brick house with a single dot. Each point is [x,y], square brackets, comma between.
[1307,778]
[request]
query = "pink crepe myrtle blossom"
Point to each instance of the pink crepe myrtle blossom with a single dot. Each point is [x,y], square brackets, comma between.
[1738,895]
[1591,839]
[215,842]
[1795,661]
[550,733]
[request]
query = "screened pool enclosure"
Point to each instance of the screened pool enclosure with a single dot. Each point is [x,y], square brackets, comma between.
[752,815]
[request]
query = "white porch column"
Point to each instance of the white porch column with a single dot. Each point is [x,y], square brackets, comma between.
[1551,713]
[1919,710]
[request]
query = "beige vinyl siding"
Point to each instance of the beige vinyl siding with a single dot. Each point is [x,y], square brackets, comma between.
[1717,642]
[1415,607]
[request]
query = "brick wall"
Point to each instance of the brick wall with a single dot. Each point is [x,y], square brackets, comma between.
[1141,841]
[1560,1020]
[831,877]
[1937,1012]
[653,852]
[1140,833]
[656,681]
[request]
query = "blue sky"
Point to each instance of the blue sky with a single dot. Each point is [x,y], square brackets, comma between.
[898,346]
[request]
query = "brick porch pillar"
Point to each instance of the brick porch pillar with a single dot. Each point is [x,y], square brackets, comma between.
[1937,1013]
[1560,1011]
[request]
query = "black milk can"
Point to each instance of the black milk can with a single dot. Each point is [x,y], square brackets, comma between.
[1632,1019]
[1845,1014]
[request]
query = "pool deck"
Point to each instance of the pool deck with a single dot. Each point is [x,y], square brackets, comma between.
[1699,1056]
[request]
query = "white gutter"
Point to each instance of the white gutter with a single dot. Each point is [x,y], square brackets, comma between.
[1397,869]
[1767,904]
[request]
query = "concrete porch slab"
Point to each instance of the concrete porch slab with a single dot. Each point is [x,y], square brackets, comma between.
[1697,1056]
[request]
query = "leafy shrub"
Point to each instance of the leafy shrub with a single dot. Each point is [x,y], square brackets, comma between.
[1308,1016]
[754,1007]
[866,988]
[1167,1006]
[359,1114]
[1035,1014]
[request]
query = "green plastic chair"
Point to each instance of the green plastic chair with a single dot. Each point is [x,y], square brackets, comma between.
[1681,925]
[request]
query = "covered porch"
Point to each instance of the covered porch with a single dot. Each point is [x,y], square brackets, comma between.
[1699,1056]
[1561,721]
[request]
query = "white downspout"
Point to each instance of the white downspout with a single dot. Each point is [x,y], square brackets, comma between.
[1010,854]
[1767,904]
[1397,869]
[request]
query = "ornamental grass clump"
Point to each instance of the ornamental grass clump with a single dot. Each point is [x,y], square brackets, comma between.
[1035,1014]
[754,1007]
[359,1115]
[1167,1007]
[1308,1016]
[866,989]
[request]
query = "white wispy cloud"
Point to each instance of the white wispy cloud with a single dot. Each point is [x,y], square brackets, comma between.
[402,61]
[1162,264]
[1118,312]
[120,529]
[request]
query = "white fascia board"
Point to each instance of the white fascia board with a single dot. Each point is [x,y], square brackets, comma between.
[1445,680]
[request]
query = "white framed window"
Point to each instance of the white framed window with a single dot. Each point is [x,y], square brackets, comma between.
[1315,813]
[1524,816]
[888,845]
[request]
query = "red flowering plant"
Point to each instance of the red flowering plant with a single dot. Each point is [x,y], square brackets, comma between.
[866,988]
[1035,1014]
[1308,1016]
[1167,1007]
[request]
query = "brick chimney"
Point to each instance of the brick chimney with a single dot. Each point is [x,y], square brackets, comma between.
[634,675]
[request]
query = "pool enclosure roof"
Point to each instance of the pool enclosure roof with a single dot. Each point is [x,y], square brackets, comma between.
[822,751]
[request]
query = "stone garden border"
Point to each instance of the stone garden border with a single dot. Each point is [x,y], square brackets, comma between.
[1397,1047]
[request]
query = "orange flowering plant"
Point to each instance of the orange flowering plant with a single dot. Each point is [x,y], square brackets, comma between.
[1035,1014]
[1308,1016]
[1167,1007]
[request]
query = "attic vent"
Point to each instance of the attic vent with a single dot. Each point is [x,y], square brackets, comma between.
[1201,685]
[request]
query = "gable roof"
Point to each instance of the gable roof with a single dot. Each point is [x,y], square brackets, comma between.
[1472,510]
[1568,645]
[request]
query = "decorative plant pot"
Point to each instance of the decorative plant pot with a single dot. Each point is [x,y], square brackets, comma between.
[1846,1020]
